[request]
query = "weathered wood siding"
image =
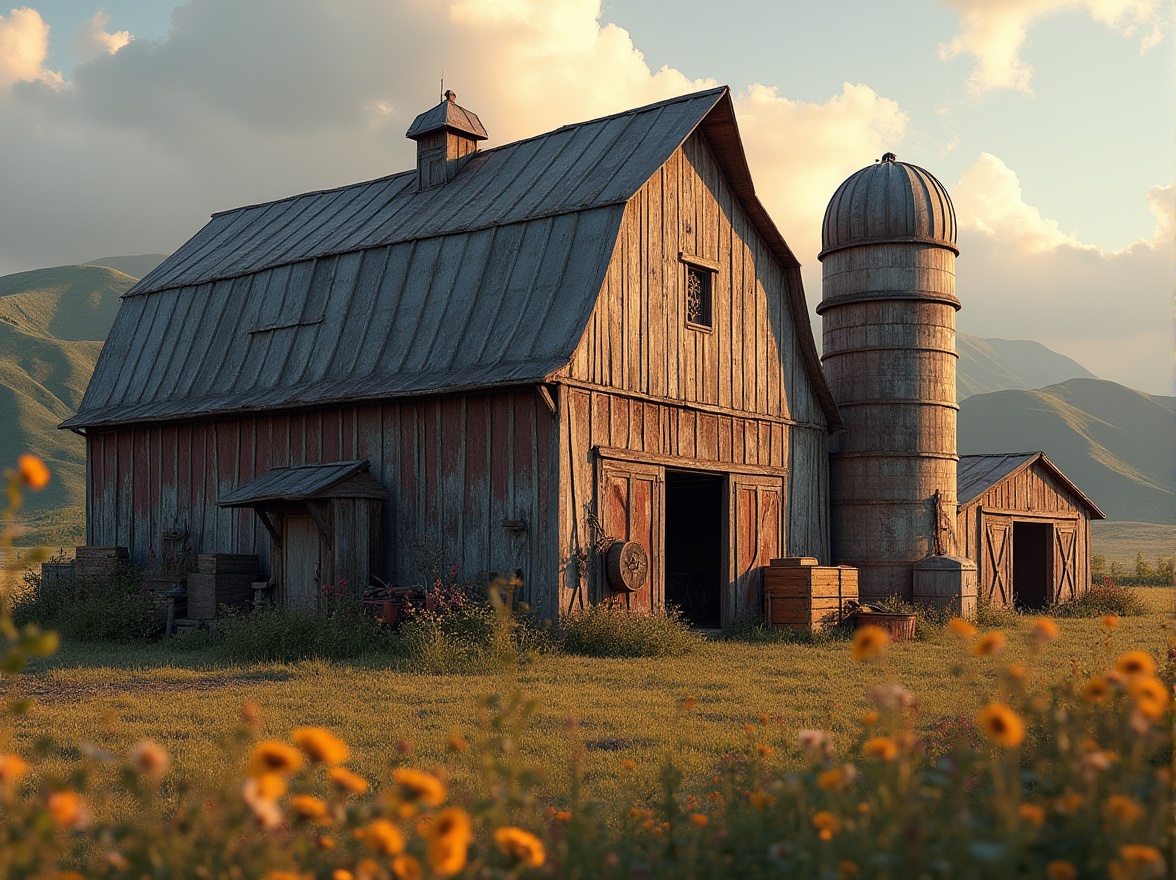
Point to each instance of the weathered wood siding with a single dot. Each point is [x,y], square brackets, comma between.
[984,533]
[456,468]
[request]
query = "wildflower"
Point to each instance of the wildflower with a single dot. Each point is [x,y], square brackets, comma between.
[261,794]
[764,750]
[761,800]
[406,867]
[448,841]
[1001,725]
[688,704]
[638,813]
[325,842]
[273,757]
[628,766]
[308,807]
[699,820]
[117,860]
[1136,663]
[826,823]
[1015,671]
[988,644]
[1136,854]
[563,816]
[831,780]
[342,874]
[1045,630]
[1032,813]
[520,846]
[1095,690]
[882,748]
[457,744]
[1110,621]
[961,627]
[870,718]
[320,745]
[150,759]
[848,868]
[1123,810]
[415,785]
[1094,762]
[868,642]
[1060,869]
[763,719]
[31,471]
[12,768]
[346,781]
[286,875]
[1069,802]
[1151,697]
[815,744]
[383,837]
[68,809]
[891,696]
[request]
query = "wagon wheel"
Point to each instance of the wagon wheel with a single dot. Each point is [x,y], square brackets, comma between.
[627,565]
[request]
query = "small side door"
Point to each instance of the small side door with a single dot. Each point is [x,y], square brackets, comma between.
[755,534]
[630,497]
[1065,586]
[996,559]
[301,562]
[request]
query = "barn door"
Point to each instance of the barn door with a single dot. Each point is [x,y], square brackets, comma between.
[755,536]
[1065,562]
[996,554]
[630,499]
[301,562]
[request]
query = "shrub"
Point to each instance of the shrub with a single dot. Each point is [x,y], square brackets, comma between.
[606,631]
[289,635]
[1105,598]
[755,631]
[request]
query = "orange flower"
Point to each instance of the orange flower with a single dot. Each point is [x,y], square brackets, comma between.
[31,471]
[961,627]
[699,820]
[310,808]
[415,785]
[447,842]
[1151,697]
[383,837]
[1045,630]
[406,867]
[1032,813]
[882,748]
[1095,690]
[457,744]
[1110,621]
[826,823]
[12,769]
[320,745]
[1123,810]
[346,781]
[1135,663]
[273,757]
[688,704]
[342,874]
[1060,869]
[150,759]
[1001,725]
[831,780]
[761,800]
[67,809]
[988,644]
[520,846]
[868,642]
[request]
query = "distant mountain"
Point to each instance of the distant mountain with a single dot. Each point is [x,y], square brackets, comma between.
[1117,445]
[136,266]
[988,365]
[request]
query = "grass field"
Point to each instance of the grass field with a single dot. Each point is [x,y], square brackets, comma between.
[111,697]
[1120,541]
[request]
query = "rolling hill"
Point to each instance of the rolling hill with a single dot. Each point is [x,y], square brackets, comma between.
[1116,444]
[988,365]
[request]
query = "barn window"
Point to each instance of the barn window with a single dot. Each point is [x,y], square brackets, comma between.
[699,305]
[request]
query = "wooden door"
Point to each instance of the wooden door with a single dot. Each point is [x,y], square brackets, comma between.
[630,499]
[996,560]
[755,534]
[301,562]
[1065,586]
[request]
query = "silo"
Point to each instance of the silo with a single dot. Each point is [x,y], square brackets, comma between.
[888,314]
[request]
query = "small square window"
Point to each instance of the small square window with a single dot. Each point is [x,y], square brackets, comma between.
[698,296]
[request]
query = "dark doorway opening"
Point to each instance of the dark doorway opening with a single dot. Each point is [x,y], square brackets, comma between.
[1032,543]
[694,546]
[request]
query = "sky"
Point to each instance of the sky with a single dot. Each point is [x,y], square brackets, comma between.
[124,126]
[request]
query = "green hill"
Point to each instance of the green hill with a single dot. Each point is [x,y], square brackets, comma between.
[52,324]
[1116,444]
[988,365]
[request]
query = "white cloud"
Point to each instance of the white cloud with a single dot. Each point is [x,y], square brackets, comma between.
[988,199]
[994,33]
[93,39]
[24,46]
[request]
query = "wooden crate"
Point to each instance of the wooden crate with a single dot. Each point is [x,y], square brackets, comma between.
[799,594]
[59,576]
[99,562]
[221,579]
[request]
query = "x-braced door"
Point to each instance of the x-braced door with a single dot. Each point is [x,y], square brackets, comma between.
[997,569]
[1065,563]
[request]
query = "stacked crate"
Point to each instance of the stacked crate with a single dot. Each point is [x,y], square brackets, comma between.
[800,594]
[98,562]
[221,579]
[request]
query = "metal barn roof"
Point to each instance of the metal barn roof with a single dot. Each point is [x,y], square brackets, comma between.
[976,474]
[296,483]
[375,290]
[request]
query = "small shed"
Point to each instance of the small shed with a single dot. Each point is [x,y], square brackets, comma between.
[324,527]
[1027,528]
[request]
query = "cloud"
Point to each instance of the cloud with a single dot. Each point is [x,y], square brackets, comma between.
[93,39]
[994,32]
[24,46]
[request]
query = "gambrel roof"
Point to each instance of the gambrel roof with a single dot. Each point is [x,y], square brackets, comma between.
[376,290]
[976,474]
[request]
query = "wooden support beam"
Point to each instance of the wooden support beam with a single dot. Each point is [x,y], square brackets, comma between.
[275,535]
[547,399]
[320,511]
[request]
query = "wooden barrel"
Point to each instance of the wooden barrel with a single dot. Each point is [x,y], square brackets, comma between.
[901,627]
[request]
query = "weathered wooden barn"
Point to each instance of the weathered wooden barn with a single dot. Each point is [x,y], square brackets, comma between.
[1026,526]
[593,333]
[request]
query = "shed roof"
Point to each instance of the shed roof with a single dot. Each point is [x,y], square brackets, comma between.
[976,474]
[376,290]
[296,483]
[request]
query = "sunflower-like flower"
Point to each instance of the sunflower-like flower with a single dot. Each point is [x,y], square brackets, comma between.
[826,823]
[1095,690]
[988,644]
[881,748]
[447,842]
[406,867]
[12,769]
[1135,663]
[869,642]
[1045,630]
[1034,814]
[415,786]
[1151,697]
[1122,810]
[1001,725]
[521,846]
[346,781]
[310,808]
[272,756]
[31,471]
[320,745]
[961,627]
[383,837]
[68,809]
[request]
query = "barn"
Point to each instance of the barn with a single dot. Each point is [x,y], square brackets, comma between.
[1027,528]
[518,359]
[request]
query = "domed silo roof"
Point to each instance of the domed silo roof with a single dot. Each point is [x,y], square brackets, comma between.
[889,201]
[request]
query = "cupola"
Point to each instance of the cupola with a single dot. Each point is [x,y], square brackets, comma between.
[446,136]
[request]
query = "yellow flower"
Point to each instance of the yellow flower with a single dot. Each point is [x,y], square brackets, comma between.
[1138,854]
[1060,869]
[988,644]
[320,745]
[1110,621]
[870,718]
[1095,690]
[868,642]
[1045,630]
[961,627]
[31,471]
[761,800]
[628,766]
[150,759]
[273,757]
[1122,809]
[520,846]
[415,785]
[12,769]
[342,874]
[406,867]
[383,837]
[67,809]
[1032,813]
[346,781]
[1151,697]
[324,842]
[308,807]
[764,750]
[831,780]
[457,744]
[1001,725]
[826,823]
[1136,663]
[881,747]
[699,820]
[448,841]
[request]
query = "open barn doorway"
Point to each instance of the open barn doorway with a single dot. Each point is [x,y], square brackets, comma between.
[694,546]
[1032,546]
